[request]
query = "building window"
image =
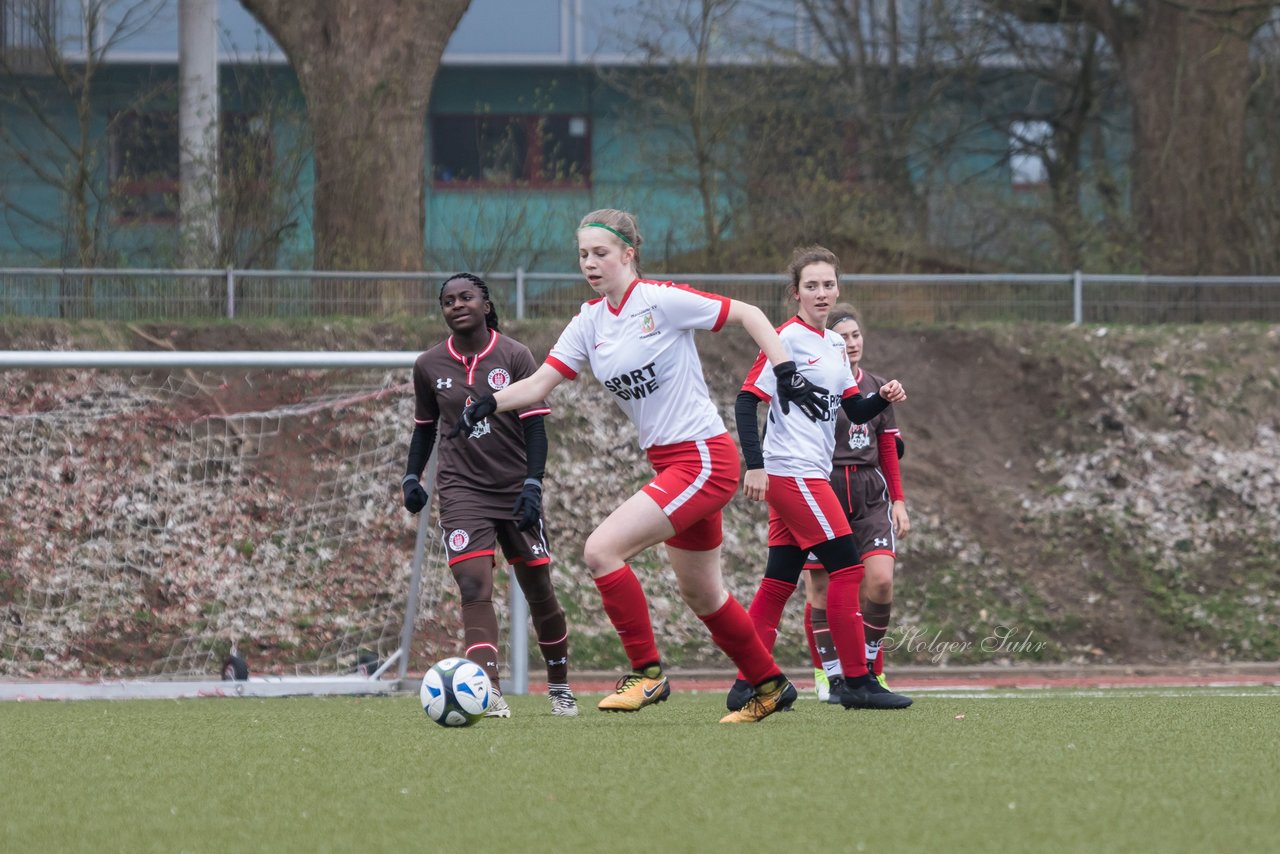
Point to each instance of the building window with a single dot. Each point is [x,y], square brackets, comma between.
[143,162]
[508,151]
[1030,146]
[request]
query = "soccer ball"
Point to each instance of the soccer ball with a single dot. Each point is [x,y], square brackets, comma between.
[456,692]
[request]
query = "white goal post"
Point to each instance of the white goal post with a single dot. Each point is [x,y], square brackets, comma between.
[168,511]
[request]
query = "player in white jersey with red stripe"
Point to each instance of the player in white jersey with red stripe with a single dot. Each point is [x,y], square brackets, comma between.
[637,338]
[867,480]
[792,476]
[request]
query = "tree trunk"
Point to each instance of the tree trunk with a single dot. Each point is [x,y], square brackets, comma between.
[1190,82]
[366,72]
[1187,70]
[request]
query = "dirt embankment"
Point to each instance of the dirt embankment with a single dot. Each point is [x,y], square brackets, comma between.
[1077,495]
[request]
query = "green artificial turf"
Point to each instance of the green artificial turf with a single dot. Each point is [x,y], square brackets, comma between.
[1117,770]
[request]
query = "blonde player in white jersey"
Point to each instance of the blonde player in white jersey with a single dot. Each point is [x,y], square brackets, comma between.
[637,338]
[792,476]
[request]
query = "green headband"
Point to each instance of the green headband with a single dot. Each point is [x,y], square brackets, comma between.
[619,234]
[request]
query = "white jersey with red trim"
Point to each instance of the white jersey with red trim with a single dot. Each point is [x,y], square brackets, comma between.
[644,353]
[795,446]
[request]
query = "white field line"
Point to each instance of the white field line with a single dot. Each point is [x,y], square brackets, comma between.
[1261,691]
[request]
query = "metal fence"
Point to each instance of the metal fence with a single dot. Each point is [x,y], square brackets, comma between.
[892,300]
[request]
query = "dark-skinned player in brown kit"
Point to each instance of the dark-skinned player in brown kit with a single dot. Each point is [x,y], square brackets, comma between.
[491,486]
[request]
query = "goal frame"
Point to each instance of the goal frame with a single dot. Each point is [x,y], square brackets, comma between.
[266,686]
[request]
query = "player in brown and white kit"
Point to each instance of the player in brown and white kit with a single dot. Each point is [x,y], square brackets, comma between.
[491,487]
[868,482]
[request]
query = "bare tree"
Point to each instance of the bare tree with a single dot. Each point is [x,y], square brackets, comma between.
[1264,153]
[696,99]
[855,120]
[1049,101]
[45,150]
[366,71]
[1186,66]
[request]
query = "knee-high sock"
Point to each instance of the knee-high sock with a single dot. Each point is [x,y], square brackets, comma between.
[628,610]
[766,610]
[875,617]
[828,660]
[814,655]
[548,621]
[846,620]
[480,633]
[733,632]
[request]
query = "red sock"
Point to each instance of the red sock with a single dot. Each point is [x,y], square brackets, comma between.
[732,631]
[845,620]
[628,610]
[880,661]
[766,610]
[814,655]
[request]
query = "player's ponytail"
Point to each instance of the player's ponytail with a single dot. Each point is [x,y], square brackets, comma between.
[491,316]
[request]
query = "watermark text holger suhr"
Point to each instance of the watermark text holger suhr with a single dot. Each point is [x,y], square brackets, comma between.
[1003,640]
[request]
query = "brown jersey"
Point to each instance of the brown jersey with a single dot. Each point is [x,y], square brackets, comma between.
[491,459]
[856,444]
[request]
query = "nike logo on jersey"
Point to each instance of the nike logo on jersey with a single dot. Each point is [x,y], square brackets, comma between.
[659,488]
[814,361]
[598,345]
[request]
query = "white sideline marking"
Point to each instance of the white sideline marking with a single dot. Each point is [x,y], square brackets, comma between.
[1129,693]
[264,686]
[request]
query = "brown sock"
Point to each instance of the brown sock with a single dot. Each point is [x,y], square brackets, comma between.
[480,630]
[548,621]
[822,640]
[875,619]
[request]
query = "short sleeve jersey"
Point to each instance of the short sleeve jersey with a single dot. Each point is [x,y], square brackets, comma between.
[856,443]
[644,353]
[493,460]
[795,446]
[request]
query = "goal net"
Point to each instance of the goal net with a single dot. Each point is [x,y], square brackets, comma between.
[157,521]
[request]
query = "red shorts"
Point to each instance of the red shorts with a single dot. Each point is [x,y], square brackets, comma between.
[694,481]
[864,495]
[803,512]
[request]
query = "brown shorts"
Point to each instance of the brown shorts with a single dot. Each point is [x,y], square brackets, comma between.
[474,524]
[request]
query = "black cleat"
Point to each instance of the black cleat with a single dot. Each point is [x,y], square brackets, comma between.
[837,689]
[739,694]
[866,693]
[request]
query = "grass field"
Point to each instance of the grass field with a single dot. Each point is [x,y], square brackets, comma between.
[997,771]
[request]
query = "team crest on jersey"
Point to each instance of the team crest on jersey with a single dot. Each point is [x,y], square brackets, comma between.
[458,539]
[481,429]
[858,437]
[647,323]
[499,378]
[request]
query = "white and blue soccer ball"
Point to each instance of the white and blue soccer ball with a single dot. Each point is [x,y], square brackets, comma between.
[456,692]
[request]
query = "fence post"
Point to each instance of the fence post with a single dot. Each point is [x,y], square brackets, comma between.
[519,293]
[231,294]
[1077,298]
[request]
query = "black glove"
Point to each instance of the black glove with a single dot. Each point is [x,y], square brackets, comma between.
[415,497]
[478,410]
[528,507]
[794,388]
